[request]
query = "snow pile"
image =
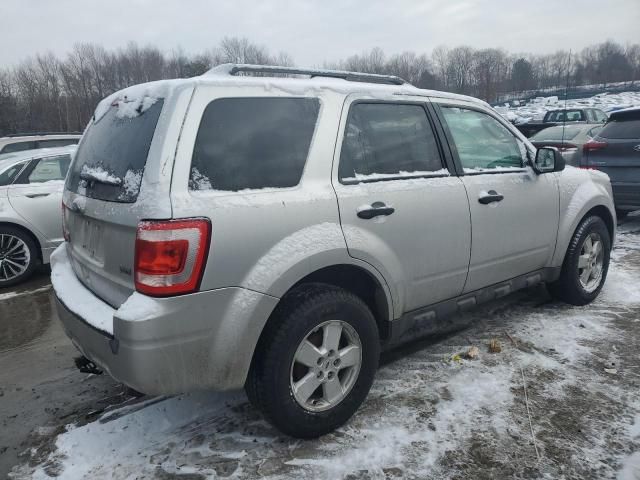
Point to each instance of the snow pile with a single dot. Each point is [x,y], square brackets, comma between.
[536,108]
[130,185]
[75,296]
[131,108]
[99,174]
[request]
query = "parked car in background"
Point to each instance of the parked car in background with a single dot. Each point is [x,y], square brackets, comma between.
[32,141]
[31,184]
[568,139]
[277,233]
[563,116]
[615,150]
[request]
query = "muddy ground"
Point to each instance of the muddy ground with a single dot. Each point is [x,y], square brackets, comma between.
[559,401]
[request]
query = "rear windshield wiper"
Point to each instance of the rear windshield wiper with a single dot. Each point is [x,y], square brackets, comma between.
[99,177]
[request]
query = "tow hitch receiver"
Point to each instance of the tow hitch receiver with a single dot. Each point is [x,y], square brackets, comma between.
[87,366]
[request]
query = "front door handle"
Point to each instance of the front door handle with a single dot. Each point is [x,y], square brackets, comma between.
[376,209]
[37,195]
[489,197]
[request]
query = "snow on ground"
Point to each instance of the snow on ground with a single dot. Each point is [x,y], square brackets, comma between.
[432,413]
[536,108]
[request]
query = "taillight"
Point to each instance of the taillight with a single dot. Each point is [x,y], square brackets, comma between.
[593,146]
[171,255]
[65,230]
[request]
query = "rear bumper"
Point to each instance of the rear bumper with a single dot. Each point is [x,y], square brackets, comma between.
[201,341]
[626,195]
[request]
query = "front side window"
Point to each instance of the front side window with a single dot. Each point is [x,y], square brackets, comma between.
[482,142]
[253,143]
[51,168]
[387,141]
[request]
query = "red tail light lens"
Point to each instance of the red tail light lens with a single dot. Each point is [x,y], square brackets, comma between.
[65,230]
[171,255]
[593,146]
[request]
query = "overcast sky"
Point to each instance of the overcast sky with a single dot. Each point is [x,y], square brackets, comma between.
[315,30]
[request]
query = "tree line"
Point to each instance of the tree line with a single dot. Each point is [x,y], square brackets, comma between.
[49,93]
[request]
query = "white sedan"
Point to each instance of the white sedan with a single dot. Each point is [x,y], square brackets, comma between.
[31,184]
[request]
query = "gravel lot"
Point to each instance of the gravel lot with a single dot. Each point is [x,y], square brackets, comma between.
[559,401]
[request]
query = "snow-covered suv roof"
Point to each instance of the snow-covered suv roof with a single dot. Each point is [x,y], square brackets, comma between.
[317,80]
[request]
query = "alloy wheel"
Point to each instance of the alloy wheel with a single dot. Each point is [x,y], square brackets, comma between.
[591,262]
[14,257]
[326,365]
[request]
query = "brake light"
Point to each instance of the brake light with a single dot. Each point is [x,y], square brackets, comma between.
[65,230]
[593,146]
[171,255]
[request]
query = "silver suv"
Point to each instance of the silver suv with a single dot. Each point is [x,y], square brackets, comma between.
[276,233]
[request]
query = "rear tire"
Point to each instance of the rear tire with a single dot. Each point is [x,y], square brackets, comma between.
[319,335]
[18,256]
[586,264]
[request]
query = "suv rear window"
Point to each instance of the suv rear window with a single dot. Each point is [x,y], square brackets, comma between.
[621,129]
[113,153]
[253,143]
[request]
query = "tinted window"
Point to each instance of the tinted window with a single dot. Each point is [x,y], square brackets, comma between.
[51,168]
[482,141]
[252,143]
[115,147]
[19,147]
[388,140]
[621,129]
[57,143]
[565,116]
[9,175]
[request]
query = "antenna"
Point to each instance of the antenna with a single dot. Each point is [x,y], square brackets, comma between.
[566,96]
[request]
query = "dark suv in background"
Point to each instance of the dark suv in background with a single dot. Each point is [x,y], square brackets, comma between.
[615,150]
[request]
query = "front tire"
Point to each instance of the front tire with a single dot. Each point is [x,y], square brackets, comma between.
[586,264]
[315,362]
[18,256]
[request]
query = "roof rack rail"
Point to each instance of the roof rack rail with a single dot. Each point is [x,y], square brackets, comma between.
[41,134]
[235,68]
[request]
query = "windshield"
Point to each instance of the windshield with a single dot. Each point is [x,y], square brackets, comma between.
[111,158]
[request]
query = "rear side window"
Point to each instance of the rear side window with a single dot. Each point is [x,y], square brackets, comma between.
[111,158]
[253,143]
[621,129]
[388,141]
[18,147]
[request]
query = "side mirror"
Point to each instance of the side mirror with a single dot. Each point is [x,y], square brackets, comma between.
[548,159]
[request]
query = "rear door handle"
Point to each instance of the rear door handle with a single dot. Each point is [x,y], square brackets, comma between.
[376,209]
[37,195]
[490,197]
